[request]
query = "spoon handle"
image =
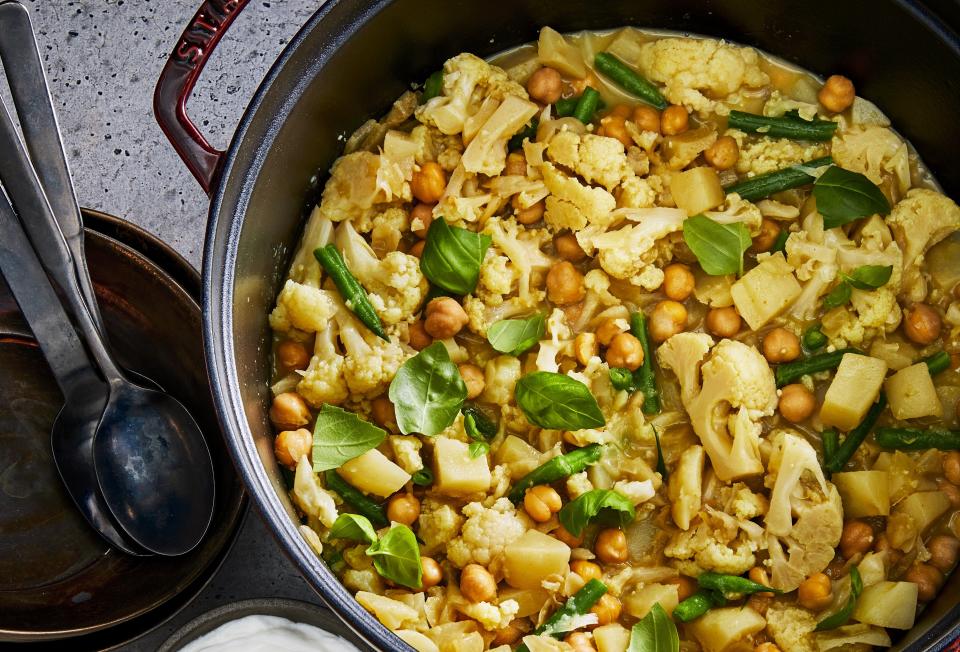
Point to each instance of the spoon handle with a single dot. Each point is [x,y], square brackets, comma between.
[38,121]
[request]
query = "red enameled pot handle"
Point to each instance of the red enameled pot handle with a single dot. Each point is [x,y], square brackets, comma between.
[176,83]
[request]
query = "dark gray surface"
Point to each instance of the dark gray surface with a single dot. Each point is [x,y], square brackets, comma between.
[102,59]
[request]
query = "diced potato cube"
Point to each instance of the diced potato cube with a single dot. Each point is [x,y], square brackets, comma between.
[713,290]
[697,190]
[887,604]
[721,629]
[639,602]
[611,638]
[897,355]
[531,601]
[864,493]
[457,473]
[532,557]
[924,507]
[911,393]
[519,456]
[854,389]
[765,291]
[374,473]
[554,50]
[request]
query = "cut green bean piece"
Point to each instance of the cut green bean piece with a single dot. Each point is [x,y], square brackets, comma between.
[939,361]
[629,80]
[764,185]
[813,338]
[856,437]
[791,371]
[578,604]
[350,289]
[917,439]
[697,604]
[830,440]
[353,496]
[557,468]
[644,378]
[731,584]
[587,105]
[794,128]
[432,87]
[564,108]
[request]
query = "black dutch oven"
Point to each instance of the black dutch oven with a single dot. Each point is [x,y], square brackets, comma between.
[353,58]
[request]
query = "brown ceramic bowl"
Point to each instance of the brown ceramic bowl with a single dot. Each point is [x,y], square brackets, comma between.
[58,579]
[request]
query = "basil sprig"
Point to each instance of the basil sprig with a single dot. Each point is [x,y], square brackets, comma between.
[843,196]
[339,436]
[427,391]
[654,633]
[865,277]
[604,505]
[557,402]
[514,336]
[353,527]
[396,556]
[843,615]
[718,247]
[452,256]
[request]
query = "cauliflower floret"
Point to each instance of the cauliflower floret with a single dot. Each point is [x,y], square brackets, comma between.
[572,205]
[740,210]
[716,544]
[630,253]
[737,499]
[873,152]
[762,155]
[522,246]
[486,533]
[439,522]
[919,221]
[696,71]
[302,307]
[813,254]
[406,452]
[686,486]
[497,278]
[395,285]
[310,496]
[392,613]
[598,297]
[305,268]
[467,81]
[492,616]
[578,484]
[598,159]
[323,380]
[637,193]
[351,190]
[737,389]
[433,145]
[387,229]
[370,363]
[635,491]
[778,104]
[500,378]
[487,152]
[791,627]
[482,315]
[805,513]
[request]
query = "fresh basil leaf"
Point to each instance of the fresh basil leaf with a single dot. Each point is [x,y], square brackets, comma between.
[654,633]
[477,424]
[603,505]
[869,277]
[843,615]
[423,477]
[396,556]
[718,247]
[557,402]
[661,463]
[340,435]
[514,336]
[427,392]
[452,256]
[843,196]
[478,448]
[353,527]
[839,296]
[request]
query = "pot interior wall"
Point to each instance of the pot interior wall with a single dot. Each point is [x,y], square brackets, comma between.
[353,63]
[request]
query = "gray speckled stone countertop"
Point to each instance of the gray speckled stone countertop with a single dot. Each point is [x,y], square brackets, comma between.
[102,59]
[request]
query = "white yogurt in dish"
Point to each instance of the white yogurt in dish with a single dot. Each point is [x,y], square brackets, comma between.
[268,634]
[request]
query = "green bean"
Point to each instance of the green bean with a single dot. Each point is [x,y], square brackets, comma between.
[576,605]
[622,379]
[587,105]
[731,584]
[939,361]
[564,107]
[644,377]
[363,505]
[791,371]
[780,244]
[795,128]
[764,185]
[557,468]
[813,338]
[830,440]
[528,131]
[696,605]
[855,437]
[350,289]
[915,439]
[423,477]
[432,87]
[629,80]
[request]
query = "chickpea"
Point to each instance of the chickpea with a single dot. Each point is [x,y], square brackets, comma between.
[432,575]
[289,411]
[723,154]
[565,284]
[856,539]
[585,347]
[646,118]
[951,491]
[780,345]
[421,217]
[611,546]
[531,214]
[586,569]
[403,508]
[625,351]
[609,329]
[291,445]
[921,324]
[292,355]
[685,586]
[767,647]
[815,592]
[837,93]
[444,318]
[928,580]
[473,378]
[429,182]
[419,338]
[769,232]
[579,642]
[674,120]
[943,550]
[759,575]
[477,584]
[723,322]
[614,126]
[566,537]
[607,608]
[545,85]
[796,403]
[621,111]
[383,411]
[541,502]
[678,281]
[417,248]
[507,636]
[951,467]
[568,248]
[516,164]
[667,319]
[760,602]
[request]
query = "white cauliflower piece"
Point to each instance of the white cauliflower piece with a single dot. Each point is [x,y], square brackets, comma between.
[791,627]
[497,278]
[715,544]
[302,307]
[522,247]
[762,155]
[310,496]
[433,145]
[439,522]
[578,484]
[629,253]
[635,491]
[492,616]
[736,378]
[351,190]
[487,152]
[500,378]
[778,104]
[394,614]
[406,452]
[370,363]
[486,533]
[572,205]
[637,193]
[873,152]
[305,268]
[387,229]
[735,209]
[598,159]
[686,485]
[323,381]
[598,297]
[919,221]
[482,314]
